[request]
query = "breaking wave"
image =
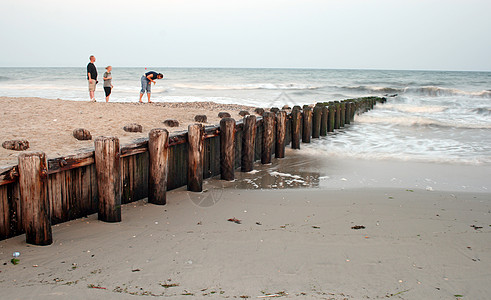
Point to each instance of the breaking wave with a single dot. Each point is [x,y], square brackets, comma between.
[259,86]
[432,91]
[419,121]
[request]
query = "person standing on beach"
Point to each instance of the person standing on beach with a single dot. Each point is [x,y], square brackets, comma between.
[146,81]
[108,77]
[92,77]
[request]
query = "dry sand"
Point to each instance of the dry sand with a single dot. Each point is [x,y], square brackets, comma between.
[294,243]
[48,124]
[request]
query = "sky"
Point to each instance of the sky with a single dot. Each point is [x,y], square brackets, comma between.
[331,34]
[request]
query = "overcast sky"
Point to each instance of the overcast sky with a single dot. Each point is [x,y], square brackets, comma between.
[352,34]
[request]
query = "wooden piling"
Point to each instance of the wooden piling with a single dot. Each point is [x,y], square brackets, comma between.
[196,141]
[280,134]
[316,121]
[158,157]
[227,148]
[343,114]
[347,117]
[331,119]
[324,119]
[296,123]
[33,185]
[268,137]
[337,122]
[307,125]
[352,111]
[248,146]
[108,169]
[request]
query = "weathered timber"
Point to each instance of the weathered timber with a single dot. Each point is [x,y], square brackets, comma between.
[171,123]
[108,168]
[196,138]
[17,145]
[274,110]
[259,111]
[307,124]
[227,148]
[316,121]
[82,134]
[223,114]
[248,144]
[280,134]
[133,128]
[337,123]
[201,118]
[243,113]
[268,137]
[158,155]
[331,119]
[33,184]
[324,120]
[296,123]
[347,118]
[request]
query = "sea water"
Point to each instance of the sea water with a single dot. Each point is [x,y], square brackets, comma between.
[430,116]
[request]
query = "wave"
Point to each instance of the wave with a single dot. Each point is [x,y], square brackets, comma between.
[419,121]
[432,91]
[4,78]
[482,111]
[414,108]
[258,86]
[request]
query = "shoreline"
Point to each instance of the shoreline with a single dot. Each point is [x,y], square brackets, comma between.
[297,243]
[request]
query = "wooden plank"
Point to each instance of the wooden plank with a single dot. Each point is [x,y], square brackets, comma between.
[4,213]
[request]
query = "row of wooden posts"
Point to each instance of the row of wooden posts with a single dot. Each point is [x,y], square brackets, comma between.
[306,123]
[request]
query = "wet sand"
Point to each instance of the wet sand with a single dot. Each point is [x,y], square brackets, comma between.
[294,243]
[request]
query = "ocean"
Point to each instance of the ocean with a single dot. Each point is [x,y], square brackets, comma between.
[431,116]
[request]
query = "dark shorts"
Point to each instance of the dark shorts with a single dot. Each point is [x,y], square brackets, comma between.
[107,90]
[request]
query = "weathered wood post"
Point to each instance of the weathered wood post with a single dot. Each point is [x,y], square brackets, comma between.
[296,122]
[343,114]
[316,121]
[33,185]
[248,144]
[268,137]
[331,120]
[196,142]
[280,134]
[307,125]
[324,119]
[108,170]
[227,148]
[347,117]
[352,111]
[337,123]
[158,154]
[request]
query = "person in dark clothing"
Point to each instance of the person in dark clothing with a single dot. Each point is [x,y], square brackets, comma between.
[146,81]
[92,77]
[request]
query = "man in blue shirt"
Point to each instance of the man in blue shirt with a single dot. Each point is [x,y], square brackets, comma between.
[146,81]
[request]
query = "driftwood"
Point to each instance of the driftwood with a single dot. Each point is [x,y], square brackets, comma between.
[259,111]
[201,118]
[17,145]
[171,123]
[133,128]
[82,134]
[243,113]
[223,114]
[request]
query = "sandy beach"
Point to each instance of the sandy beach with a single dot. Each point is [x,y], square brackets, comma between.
[292,243]
[48,124]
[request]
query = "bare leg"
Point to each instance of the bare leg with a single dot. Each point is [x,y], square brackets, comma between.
[91,94]
[148,95]
[141,95]
[107,99]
